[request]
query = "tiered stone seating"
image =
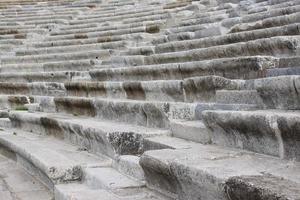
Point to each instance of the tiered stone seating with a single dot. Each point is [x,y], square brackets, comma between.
[135,99]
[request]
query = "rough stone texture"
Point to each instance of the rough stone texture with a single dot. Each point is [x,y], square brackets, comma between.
[188,174]
[281,92]
[267,185]
[141,100]
[268,132]
[16,183]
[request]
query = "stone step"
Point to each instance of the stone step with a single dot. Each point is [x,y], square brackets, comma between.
[109,179]
[288,71]
[280,92]
[14,36]
[199,24]
[129,166]
[146,29]
[267,23]
[39,17]
[126,19]
[15,102]
[239,96]
[53,160]
[119,15]
[82,192]
[10,31]
[5,123]
[100,137]
[271,132]
[60,76]
[46,21]
[211,172]
[166,142]
[96,54]
[276,46]
[190,130]
[125,11]
[46,13]
[101,39]
[194,89]
[73,48]
[56,66]
[144,113]
[173,37]
[228,38]
[12,42]
[76,29]
[270,13]
[233,68]
[17,183]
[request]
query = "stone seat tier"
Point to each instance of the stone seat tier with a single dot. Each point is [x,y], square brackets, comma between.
[120,15]
[82,192]
[53,159]
[118,45]
[211,172]
[144,16]
[233,68]
[267,23]
[141,9]
[239,96]
[276,46]
[91,54]
[280,92]
[17,183]
[148,29]
[227,39]
[264,6]
[276,92]
[100,137]
[144,113]
[65,65]
[84,40]
[33,11]
[34,18]
[72,164]
[272,132]
[6,32]
[90,29]
[192,89]
[49,12]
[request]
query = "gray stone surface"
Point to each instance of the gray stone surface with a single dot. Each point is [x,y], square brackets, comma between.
[203,171]
[140,100]
[16,183]
[265,131]
[280,92]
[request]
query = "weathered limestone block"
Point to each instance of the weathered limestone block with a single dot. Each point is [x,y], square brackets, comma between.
[261,187]
[37,76]
[102,54]
[111,139]
[281,92]
[268,132]
[239,96]
[14,88]
[204,88]
[245,36]
[210,172]
[233,68]
[275,46]
[76,106]
[267,23]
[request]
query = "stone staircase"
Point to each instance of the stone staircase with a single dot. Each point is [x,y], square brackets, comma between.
[146,100]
